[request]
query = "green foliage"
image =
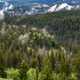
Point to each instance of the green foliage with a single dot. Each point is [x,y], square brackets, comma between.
[13,74]
[23,69]
[32,74]
[2,71]
[73,76]
[58,76]
[5,79]
[34,55]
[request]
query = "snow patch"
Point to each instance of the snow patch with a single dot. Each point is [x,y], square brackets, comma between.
[2,15]
[63,6]
[53,8]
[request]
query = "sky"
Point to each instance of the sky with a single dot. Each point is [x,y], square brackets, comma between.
[44,1]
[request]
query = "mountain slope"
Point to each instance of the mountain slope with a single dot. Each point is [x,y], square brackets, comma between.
[63,6]
[65,25]
[32,7]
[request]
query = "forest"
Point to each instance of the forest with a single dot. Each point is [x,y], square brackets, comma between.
[40,47]
[65,25]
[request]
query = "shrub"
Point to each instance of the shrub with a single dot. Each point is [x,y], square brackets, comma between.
[73,76]
[32,74]
[23,69]
[13,74]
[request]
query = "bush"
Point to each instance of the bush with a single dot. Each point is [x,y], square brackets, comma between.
[32,74]
[13,74]
[73,76]
[23,69]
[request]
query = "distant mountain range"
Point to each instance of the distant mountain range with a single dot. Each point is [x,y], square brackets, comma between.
[32,7]
[62,7]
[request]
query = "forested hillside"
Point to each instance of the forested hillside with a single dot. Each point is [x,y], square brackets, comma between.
[40,47]
[65,25]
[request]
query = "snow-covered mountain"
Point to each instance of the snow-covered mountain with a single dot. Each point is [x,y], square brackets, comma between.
[32,7]
[63,6]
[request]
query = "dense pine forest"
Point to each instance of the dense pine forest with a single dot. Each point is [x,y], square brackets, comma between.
[64,25]
[40,47]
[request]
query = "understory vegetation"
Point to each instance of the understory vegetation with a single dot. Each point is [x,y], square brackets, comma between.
[33,54]
[45,48]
